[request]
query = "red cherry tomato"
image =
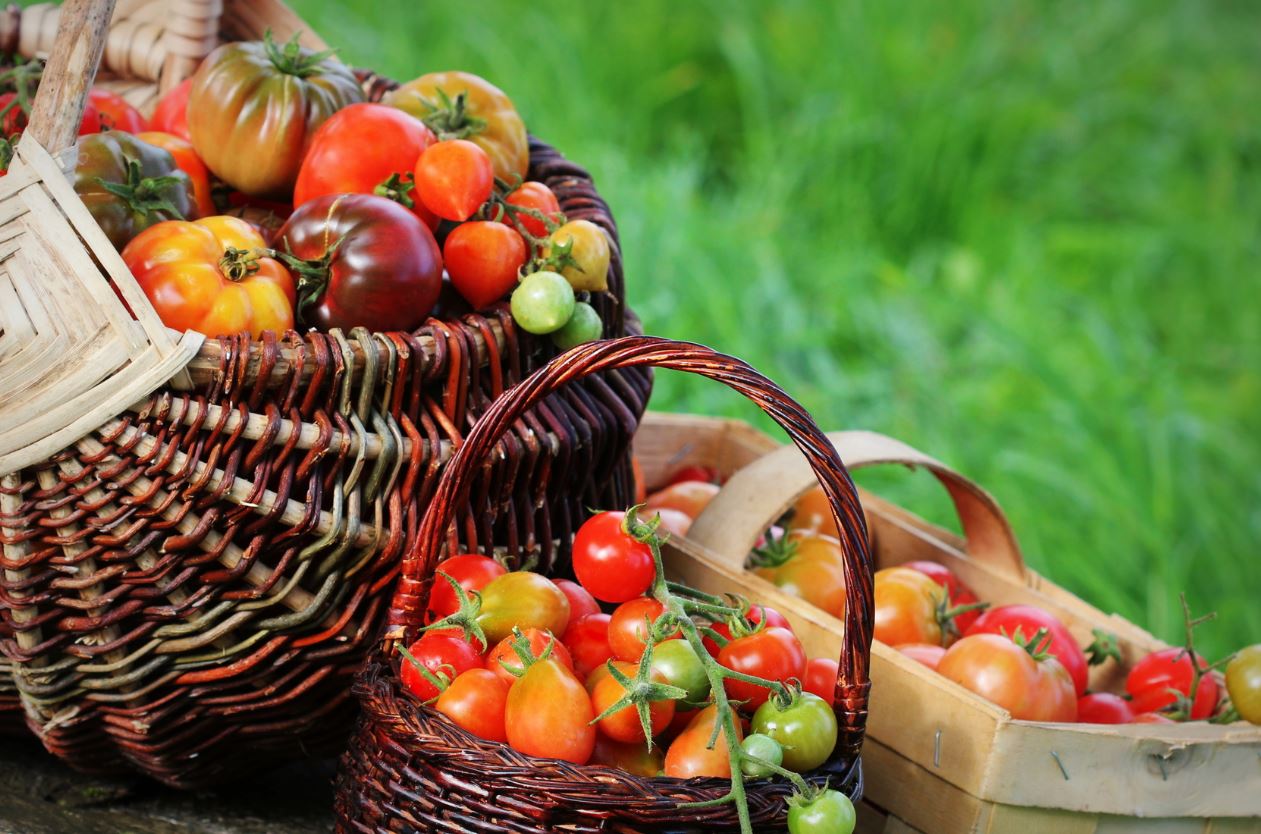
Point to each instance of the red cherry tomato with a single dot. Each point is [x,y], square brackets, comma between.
[772,653]
[454,178]
[1030,619]
[821,674]
[483,259]
[537,196]
[116,113]
[587,639]
[549,714]
[504,661]
[171,114]
[628,627]
[476,700]
[1151,679]
[444,655]
[959,593]
[755,615]
[926,653]
[608,562]
[696,472]
[1104,708]
[1152,718]
[581,603]
[472,571]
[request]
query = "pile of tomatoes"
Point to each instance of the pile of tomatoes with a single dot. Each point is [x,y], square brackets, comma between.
[599,671]
[266,193]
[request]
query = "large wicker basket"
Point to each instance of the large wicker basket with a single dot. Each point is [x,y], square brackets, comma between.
[200,534]
[410,770]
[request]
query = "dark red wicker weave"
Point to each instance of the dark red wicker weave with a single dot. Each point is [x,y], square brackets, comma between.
[409,769]
[189,590]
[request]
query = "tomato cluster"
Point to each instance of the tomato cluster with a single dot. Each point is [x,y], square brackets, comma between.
[363,211]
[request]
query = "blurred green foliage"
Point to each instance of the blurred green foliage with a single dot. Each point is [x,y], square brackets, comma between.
[1022,236]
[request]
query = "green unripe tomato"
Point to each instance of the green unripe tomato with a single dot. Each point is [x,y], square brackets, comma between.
[765,748]
[806,729]
[1243,682]
[543,302]
[583,326]
[678,665]
[831,812]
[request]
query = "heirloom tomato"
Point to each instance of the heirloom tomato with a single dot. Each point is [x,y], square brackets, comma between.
[482,259]
[549,714]
[115,111]
[1104,708]
[608,562]
[587,639]
[129,185]
[171,113]
[471,570]
[186,158]
[908,606]
[635,759]
[1028,619]
[690,497]
[522,599]
[504,661]
[207,275]
[958,593]
[690,754]
[367,261]
[624,724]
[1243,682]
[772,653]
[807,565]
[1156,682]
[366,149]
[821,675]
[476,700]
[628,628]
[1005,673]
[579,250]
[254,106]
[534,197]
[805,728]
[454,178]
[444,656]
[460,105]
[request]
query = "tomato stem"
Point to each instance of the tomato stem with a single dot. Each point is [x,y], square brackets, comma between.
[142,194]
[450,118]
[464,617]
[238,264]
[398,187]
[293,58]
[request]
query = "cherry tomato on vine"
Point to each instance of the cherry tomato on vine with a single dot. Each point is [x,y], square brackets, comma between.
[635,759]
[821,675]
[765,748]
[999,670]
[587,639]
[116,112]
[685,496]
[831,812]
[15,120]
[1151,679]
[472,571]
[540,198]
[476,700]
[504,661]
[1029,619]
[926,653]
[609,563]
[754,616]
[454,178]
[677,664]
[806,729]
[445,656]
[628,628]
[772,653]
[1243,682]
[171,113]
[690,755]
[907,606]
[582,250]
[581,603]
[549,714]
[958,593]
[1104,708]
[522,599]
[542,303]
[624,725]
[483,259]
[585,325]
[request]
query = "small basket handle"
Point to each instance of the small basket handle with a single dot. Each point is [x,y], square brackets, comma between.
[753,498]
[632,351]
[71,69]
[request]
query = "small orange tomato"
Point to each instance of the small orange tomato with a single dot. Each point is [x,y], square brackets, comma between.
[624,725]
[504,661]
[476,700]
[205,275]
[690,754]
[907,604]
[190,163]
[549,714]
[813,512]
[688,497]
[601,672]
[635,759]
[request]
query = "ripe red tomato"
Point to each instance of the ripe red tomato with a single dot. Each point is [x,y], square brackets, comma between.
[690,754]
[1104,708]
[454,178]
[907,604]
[378,265]
[755,616]
[772,653]
[366,149]
[581,603]
[476,700]
[445,655]
[685,496]
[536,196]
[608,562]
[959,593]
[116,113]
[624,725]
[549,714]
[15,118]
[483,259]
[1030,619]
[1002,672]
[628,627]
[171,113]
[925,653]
[471,570]
[587,639]
[504,661]
[190,163]
[821,675]
[697,472]
[1151,679]
[1152,718]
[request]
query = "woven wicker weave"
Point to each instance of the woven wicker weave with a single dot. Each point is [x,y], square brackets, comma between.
[411,770]
[194,569]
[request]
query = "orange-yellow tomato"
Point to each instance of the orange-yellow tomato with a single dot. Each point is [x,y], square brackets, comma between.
[907,604]
[1000,671]
[205,275]
[813,512]
[814,572]
[501,133]
[549,714]
[690,755]
[190,163]
[624,725]
[688,497]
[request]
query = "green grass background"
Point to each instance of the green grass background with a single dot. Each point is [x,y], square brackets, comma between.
[1022,236]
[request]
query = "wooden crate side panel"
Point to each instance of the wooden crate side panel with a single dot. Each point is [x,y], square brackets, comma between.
[919,799]
[667,442]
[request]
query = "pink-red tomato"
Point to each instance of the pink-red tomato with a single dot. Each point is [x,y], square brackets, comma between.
[1104,708]
[821,675]
[689,497]
[171,113]
[581,603]
[609,563]
[925,653]
[587,639]
[1029,620]
[1151,679]
[1002,672]
[674,522]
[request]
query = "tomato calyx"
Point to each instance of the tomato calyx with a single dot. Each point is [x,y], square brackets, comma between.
[292,58]
[777,551]
[520,646]
[1103,647]
[312,273]
[639,692]
[398,187]
[440,678]
[450,118]
[142,194]
[638,529]
[1038,645]
[465,616]
[239,264]
[23,78]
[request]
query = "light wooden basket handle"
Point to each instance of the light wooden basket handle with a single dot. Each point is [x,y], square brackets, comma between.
[757,495]
[71,68]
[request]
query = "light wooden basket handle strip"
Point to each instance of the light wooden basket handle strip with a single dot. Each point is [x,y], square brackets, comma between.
[763,491]
[63,90]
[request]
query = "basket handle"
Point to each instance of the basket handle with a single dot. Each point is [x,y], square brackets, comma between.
[71,68]
[633,351]
[753,498]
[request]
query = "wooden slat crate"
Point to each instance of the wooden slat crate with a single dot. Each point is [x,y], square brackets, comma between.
[938,758]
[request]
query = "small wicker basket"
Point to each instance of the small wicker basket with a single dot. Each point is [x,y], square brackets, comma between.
[409,769]
[199,535]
